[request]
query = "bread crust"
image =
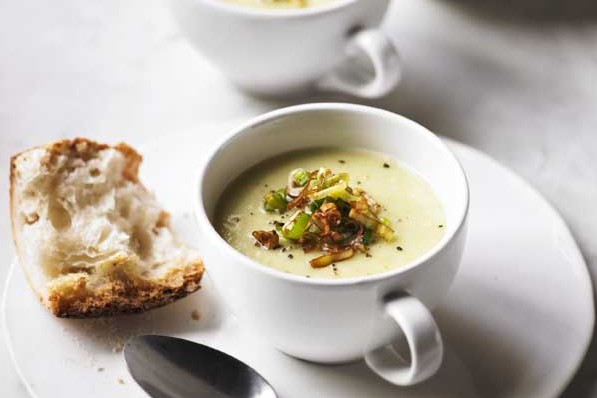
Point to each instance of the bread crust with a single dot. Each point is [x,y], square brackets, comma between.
[125,295]
[128,296]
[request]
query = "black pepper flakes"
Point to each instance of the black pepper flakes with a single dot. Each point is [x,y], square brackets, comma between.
[341,161]
[290,256]
[251,213]
[440,226]
[386,166]
[399,248]
[368,255]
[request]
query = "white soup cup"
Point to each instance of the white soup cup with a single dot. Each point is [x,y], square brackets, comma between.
[339,320]
[285,52]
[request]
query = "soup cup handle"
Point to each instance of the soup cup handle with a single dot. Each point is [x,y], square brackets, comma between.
[352,75]
[424,343]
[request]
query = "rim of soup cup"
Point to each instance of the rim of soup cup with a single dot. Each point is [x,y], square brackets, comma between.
[202,218]
[279,13]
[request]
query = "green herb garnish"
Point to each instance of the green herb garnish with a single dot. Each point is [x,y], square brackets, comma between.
[316,204]
[367,236]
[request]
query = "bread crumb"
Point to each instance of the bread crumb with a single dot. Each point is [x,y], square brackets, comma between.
[100,369]
[195,315]
[118,347]
[120,381]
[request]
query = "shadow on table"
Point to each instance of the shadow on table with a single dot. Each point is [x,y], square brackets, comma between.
[198,313]
[470,369]
[583,384]
[532,11]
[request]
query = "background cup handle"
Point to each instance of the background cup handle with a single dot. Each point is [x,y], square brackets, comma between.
[355,77]
[424,343]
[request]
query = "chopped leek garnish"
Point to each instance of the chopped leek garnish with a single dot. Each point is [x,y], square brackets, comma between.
[370,222]
[335,191]
[385,232]
[330,216]
[327,259]
[275,201]
[301,177]
[335,178]
[296,226]
[278,225]
[361,218]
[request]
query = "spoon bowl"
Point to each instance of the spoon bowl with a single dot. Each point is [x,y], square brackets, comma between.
[169,367]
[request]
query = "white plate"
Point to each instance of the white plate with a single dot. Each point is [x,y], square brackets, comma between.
[517,321]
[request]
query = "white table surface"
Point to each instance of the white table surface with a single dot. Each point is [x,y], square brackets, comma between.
[518,82]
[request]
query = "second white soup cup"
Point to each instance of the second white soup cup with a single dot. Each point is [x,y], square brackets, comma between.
[339,46]
[340,320]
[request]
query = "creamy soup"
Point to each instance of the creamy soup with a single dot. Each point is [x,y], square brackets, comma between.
[410,218]
[276,4]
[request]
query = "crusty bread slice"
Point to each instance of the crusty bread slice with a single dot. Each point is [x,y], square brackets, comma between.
[91,239]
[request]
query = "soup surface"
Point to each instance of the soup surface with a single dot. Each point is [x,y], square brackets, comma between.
[407,204]
[277,4]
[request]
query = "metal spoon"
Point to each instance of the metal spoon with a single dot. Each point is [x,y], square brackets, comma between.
[168,367]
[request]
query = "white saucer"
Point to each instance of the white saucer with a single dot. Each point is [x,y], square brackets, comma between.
[516,323]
